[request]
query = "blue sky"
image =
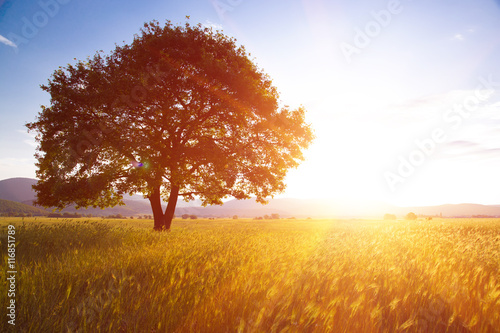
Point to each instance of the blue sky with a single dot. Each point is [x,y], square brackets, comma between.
[404,95]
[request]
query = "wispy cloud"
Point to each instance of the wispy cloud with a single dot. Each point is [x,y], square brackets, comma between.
[7,42]
[14,162]
[31,141]
[470,150]
[17,167]
[464,34]
[435,107]
[463,144]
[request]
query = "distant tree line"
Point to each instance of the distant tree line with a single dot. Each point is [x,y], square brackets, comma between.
[65,214]
[267,217]
[18,214]
[189,216]
[410,216]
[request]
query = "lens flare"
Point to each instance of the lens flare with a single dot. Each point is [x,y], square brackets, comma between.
[136,164]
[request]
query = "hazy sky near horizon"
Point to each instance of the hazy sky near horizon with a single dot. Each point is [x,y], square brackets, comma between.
[404,96]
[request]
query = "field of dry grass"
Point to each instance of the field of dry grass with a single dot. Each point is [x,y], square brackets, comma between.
[255,276]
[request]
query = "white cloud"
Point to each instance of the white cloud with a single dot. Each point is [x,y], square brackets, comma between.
[458,37]
[214,26]
[31,141]
[7,42]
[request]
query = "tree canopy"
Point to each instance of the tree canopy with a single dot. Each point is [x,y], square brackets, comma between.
[180,112]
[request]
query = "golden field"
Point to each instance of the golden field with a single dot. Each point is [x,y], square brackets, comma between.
[243,275]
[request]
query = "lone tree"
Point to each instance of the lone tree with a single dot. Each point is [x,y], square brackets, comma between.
[411,216]
[180,112]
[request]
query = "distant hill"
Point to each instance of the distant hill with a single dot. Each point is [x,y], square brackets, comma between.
[17,208]
[459,210]
[19,190]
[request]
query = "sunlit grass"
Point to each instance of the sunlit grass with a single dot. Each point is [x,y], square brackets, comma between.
[256,276]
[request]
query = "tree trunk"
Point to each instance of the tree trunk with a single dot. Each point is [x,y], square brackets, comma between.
[172,202]
[159,217]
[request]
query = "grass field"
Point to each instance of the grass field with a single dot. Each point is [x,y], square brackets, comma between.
[254,276]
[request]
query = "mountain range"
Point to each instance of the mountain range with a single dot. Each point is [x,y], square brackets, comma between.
[19,190]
